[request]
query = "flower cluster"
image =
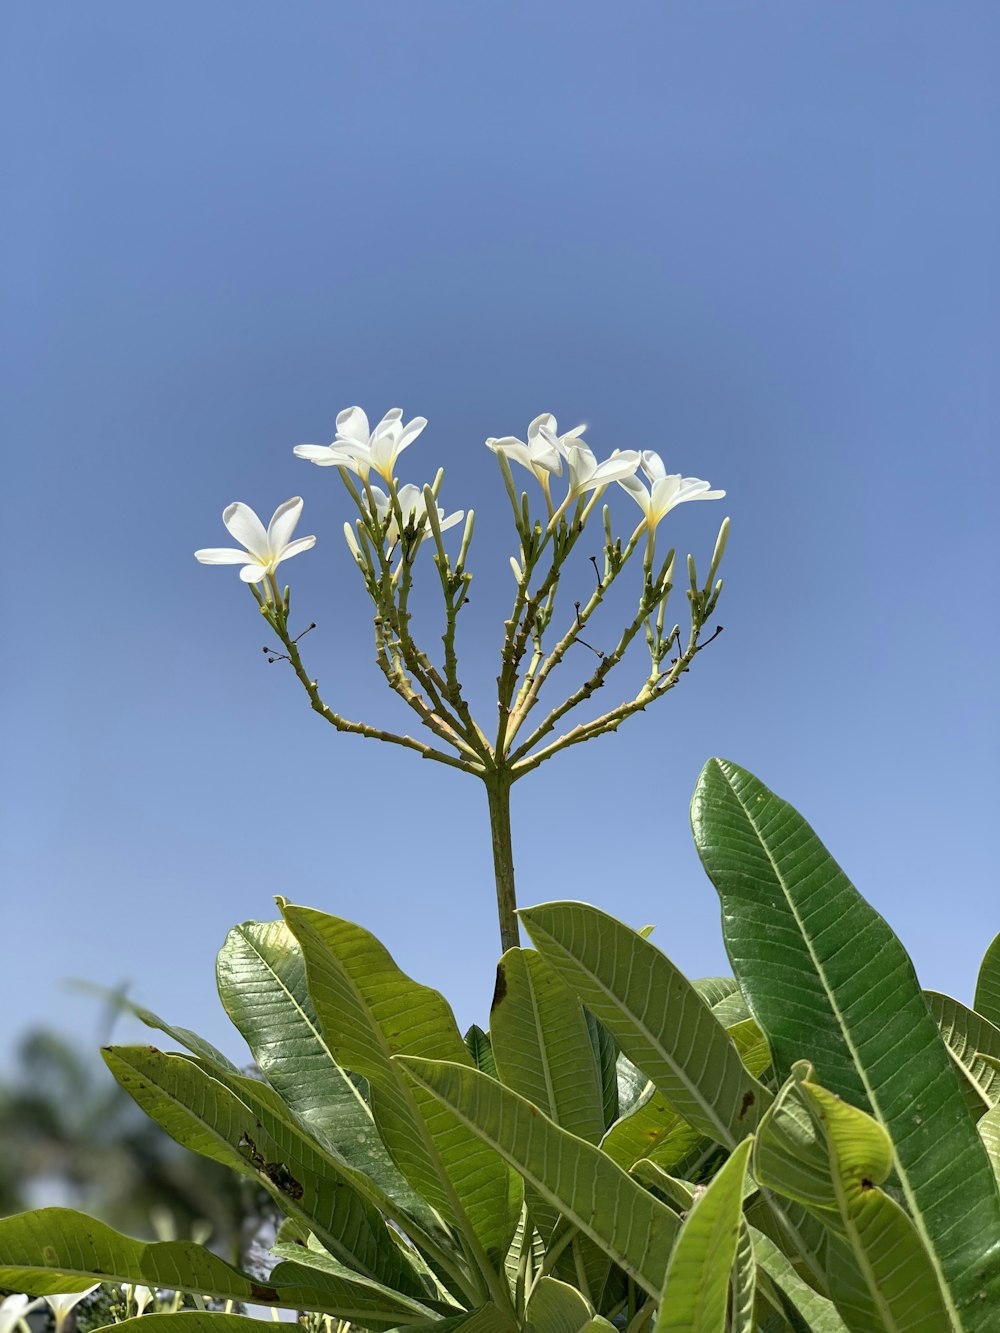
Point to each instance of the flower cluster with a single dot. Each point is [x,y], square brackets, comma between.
[359,450]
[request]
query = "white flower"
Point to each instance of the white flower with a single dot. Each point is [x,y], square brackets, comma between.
[13,1309]
[63,1305]
[541,455]
[360,449]
[412,506]
[586,473]
[141,1295]
[665,491]
[264,550]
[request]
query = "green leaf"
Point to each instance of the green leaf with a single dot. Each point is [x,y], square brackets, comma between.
[542,1046]
[713,990]
[544,1051]
[642,1133]
[610,1072]
[697,1284]
[987,1001]
[481,1050]
[194,1321]
[595,1195]
[262,984]
[656,1016]
[826,977]
[556,1307]
[743,1284]
[242,1127]
[484,1319]
[370,1011]
[57,1250]
[989,1132]
[796,1297]
[969,1037]
[831,1157]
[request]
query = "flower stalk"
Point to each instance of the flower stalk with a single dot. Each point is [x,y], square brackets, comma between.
[392,526]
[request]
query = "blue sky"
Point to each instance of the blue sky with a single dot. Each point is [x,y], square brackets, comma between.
[760,239]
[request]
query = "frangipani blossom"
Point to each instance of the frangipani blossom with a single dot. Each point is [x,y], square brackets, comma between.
[665,491]
[412,506]
[13,1309]
[586,473]
[361,449]
[541,455]
[265,550]
[142,1296]
[63,1305]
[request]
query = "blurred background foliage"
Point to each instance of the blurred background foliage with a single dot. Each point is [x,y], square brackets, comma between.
[69,1135]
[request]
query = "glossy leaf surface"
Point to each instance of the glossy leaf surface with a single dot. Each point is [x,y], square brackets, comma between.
[827,979]
[654,1013]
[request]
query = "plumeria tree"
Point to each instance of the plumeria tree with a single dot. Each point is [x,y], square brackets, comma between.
[810,1145]
[393,521]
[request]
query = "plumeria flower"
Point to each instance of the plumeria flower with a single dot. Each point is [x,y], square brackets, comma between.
[265,550]
[412,506]
[13,1309]
[361,449]
[62,1306]
[586,473]
[541,455]
[665,491]
[142,1296]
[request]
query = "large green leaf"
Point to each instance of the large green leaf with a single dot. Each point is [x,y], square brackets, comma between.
[654,1013]
[484,1319]
[827,979]
[241,1125]
[262,983]
[57,1250]
[831,1157]
[794,1296]
[696,1290]
[194,1321]
[370,1011]
[987,1001]
[594,1194]
[557,1307]
[542,1046]
[969,1037]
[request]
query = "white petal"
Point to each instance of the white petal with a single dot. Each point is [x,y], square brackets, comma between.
[381,502]
[514,450]
[312,451]
[282,524]
[253,573]
[246,527]
[411,501]
[637,491]
[452,519]
[296,547]
[614,469]
[223,555]
[352,424]
[410,432]
[390,423]
[546,422]
[652,465]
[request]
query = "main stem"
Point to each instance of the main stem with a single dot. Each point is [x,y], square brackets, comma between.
[498,795]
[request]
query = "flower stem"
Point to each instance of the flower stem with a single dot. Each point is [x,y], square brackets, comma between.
[498,795]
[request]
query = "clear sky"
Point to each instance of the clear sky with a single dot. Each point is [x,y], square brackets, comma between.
[761,239]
